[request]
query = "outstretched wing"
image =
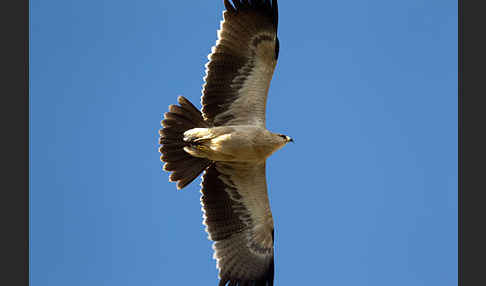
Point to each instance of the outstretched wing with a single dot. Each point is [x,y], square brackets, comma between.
[241,64]
[238,219]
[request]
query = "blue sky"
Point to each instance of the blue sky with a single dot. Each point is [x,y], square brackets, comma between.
[366,196]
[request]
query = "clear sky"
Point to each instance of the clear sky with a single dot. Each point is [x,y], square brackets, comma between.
[366,196]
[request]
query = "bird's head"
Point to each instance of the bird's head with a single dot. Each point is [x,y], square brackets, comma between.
[285,139]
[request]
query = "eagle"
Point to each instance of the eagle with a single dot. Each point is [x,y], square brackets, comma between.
[228,141]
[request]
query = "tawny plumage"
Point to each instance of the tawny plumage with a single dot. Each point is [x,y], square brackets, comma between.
[228,141]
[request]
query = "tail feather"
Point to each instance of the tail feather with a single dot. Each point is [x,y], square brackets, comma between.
[194,113]
[174,155]
[173,146]
[180,118]
[188,174]
[172,118]
[179,165]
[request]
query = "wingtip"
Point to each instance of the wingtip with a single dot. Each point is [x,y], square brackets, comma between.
[270,6]
[228,6]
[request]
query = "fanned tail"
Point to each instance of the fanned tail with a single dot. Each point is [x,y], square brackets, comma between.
[180,118]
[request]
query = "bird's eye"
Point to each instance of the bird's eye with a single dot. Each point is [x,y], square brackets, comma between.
[283,136]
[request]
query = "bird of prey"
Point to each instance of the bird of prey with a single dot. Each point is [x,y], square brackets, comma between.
[228,141]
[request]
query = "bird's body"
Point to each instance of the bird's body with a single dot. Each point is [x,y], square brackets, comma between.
[228,141]
[239,143]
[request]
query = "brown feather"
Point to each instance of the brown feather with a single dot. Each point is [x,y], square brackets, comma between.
[230,225]
[240,47]
[184,167]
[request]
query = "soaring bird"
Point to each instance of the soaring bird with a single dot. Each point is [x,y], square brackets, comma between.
[228,141]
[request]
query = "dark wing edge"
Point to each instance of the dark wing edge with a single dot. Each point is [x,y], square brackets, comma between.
[270,9]
[241,64]
[242,248]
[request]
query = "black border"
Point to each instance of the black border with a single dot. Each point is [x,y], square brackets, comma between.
[14,212]
[472,144]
